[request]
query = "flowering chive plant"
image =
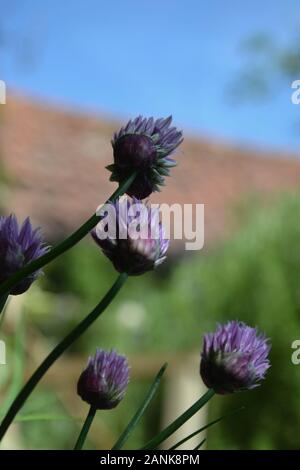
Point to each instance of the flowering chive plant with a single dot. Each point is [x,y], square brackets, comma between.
[104,381]
[102,385]
[234,358]
[138,244]
[145,145]
[18,247]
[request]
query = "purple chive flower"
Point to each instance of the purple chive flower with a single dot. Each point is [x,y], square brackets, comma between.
[18,247]
[104,381]
[234,358]
[144,145]
[138,244]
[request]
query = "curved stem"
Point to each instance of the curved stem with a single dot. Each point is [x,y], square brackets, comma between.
[57,352]
[63,246]
[85,428]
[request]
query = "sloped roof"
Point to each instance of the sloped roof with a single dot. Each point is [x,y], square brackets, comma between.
[54,160]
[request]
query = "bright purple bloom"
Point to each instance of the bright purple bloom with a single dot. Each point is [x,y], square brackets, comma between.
[18,247]
[144,145]
[138,244]
[104,382]
[234,358]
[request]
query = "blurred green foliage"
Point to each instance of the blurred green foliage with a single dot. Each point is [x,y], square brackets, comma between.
[253,277]
[265,62]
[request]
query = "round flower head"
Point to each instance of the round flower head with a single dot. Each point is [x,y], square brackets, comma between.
[131,236]
[144,145]
[234,358]
[18,247]
[104,381]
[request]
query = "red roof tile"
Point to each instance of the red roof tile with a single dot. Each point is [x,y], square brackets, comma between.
[55,161]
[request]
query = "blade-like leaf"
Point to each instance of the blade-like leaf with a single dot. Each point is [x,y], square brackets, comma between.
[199,445]
[43,417]
[138,415]
[4,300]
[163,435]
[204,428]
[190,436]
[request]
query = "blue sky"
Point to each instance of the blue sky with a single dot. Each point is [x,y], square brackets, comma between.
[122,58]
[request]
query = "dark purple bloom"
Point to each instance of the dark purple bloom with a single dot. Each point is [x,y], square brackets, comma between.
[18,247]
[138,244]
[234,358]
[104,381]
[144,145]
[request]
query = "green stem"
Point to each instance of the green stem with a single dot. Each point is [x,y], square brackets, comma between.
[85,428]
[57,352]
[63,246]
[3,300]
[163,435]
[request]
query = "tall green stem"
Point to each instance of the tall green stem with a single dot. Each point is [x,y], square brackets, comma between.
[57,352]
[63,246]
[85,428]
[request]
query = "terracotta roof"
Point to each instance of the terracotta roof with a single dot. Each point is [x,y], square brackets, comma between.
[55,159]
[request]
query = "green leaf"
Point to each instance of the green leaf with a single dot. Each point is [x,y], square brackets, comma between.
[169,430]
[203,428]
[187,438]
[43,417]
[138,415]
[199,445]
